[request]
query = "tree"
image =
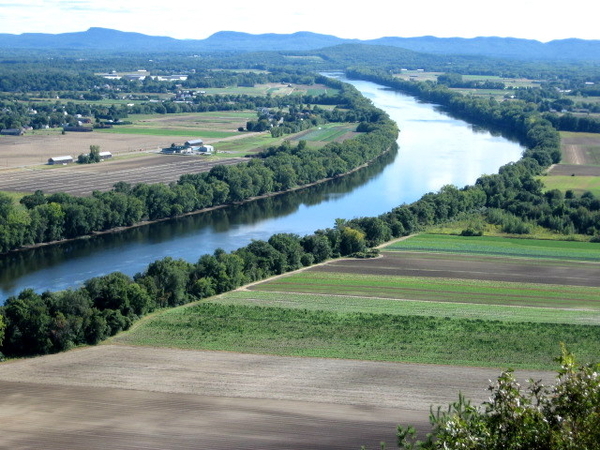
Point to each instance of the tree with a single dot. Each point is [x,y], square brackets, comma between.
[559,417]
[2,327]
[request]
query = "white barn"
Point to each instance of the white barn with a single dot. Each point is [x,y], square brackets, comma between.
[60,160]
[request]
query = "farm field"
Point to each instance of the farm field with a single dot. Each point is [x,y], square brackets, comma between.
[498,94]
[84,179]
[118,396]
[579,170]
[146,134]
[267,365]
[512,309]
[134,147]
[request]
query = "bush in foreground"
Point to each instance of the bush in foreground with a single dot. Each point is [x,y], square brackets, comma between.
[565,416]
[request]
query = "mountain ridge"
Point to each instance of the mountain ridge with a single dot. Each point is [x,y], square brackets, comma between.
[97,38]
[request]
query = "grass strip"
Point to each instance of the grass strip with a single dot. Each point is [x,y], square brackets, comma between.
[353,304]
[436,289]
[493,245]
[381,337]
[167,132]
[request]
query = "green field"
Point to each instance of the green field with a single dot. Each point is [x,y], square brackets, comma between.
[438,289]
[345,304]
[381,337]
[577,184]
[327,133]
[166,132]
[326,312]
[493,245]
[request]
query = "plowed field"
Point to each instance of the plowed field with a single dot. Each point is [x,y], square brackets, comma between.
[144,398]
[572,273]
[84,179]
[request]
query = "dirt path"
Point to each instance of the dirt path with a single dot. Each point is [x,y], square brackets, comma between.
[112,396]
[573,154]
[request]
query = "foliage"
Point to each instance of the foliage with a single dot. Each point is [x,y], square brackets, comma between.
[92,157]
[562,416]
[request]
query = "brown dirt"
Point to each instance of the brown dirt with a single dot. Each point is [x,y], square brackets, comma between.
[575,169]
[30,150]
[78,179]
[123,397]
[569,273]
[577,148]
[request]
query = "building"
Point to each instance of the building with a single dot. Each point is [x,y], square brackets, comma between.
[206,149]
[194,143]
[105,155]
[177,149]
[60,160]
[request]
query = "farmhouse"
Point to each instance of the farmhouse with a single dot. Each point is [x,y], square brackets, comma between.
[60,160]
[105,155]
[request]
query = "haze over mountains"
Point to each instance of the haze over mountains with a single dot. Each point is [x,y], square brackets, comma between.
[230,41]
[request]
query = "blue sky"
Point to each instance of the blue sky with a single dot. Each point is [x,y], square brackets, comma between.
[529,19]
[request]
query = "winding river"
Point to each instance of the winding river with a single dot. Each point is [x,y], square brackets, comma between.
[434,150]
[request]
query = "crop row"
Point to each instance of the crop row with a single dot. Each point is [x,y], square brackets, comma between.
[436,289]
[361,304]
[384,337]
[492,245]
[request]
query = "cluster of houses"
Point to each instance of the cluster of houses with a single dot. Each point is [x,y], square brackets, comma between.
[141,75]
[189,147]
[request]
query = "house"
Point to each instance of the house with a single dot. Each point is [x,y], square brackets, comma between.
[105,155]
[60,160]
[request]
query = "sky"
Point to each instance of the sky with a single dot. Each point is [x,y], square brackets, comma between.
[198,19]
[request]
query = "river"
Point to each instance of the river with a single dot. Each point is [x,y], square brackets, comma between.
[434,150]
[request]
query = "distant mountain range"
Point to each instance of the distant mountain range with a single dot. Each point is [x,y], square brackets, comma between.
[230,41]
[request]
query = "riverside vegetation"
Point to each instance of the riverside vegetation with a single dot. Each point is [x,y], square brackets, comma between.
[513,199]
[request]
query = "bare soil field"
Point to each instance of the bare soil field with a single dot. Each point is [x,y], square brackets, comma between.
[575,170]
[28,150]
[470,267]
[112,396]
[580,148]
[83,179]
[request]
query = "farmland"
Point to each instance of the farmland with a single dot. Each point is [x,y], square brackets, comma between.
[445,303]
[135,148]
[580,168]
[280,357]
